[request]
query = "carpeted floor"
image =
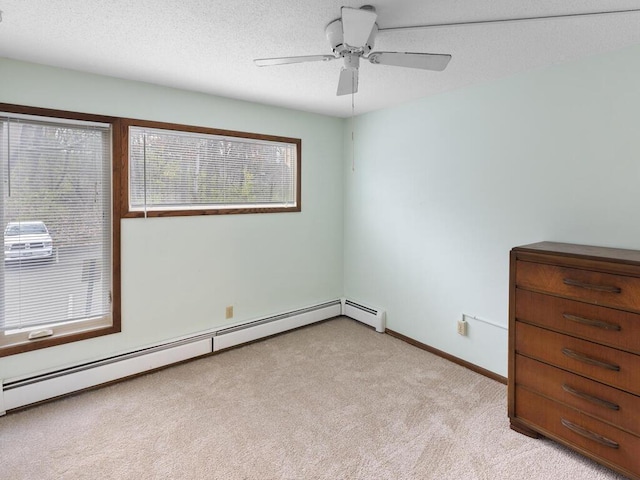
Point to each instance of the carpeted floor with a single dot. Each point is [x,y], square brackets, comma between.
[334,400]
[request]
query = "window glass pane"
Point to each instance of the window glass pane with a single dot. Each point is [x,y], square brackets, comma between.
[177,170]
[56,218]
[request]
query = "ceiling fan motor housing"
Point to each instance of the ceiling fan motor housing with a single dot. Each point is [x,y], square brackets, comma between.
[336,40]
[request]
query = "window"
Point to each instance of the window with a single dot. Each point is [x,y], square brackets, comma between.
[180,170]
[57,281]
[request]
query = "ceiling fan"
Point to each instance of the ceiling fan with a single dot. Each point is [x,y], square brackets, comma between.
[352,37]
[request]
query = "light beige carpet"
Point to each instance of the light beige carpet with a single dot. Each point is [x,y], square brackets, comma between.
[331,401]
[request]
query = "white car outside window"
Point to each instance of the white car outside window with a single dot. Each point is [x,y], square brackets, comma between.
[26,240]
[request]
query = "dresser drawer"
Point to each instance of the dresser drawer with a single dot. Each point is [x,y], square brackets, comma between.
[608,404]
[588,286]
[608,326]
[614,367]
[605,443]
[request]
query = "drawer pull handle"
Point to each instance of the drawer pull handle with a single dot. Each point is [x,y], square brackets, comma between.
[591,286]
[589,434]
[593,323]
[590,398]
[581,357]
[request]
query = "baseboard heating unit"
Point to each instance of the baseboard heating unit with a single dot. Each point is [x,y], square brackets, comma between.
[368,315]
[248,332]
[20,392]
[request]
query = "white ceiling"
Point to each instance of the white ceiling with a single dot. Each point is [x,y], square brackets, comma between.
[208,45]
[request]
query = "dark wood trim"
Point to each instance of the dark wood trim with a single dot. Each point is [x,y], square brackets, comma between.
[133,122]
[116,325]
[116,213]
[447,356]
[209,211]
[298,143]
[58,340]
[121,163]
[511,387]
[124,202]
[48,112]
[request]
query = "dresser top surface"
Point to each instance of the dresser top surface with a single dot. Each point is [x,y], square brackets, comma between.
[618,255]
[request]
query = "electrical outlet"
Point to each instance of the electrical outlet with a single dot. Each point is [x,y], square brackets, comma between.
[462,327]
[229,312]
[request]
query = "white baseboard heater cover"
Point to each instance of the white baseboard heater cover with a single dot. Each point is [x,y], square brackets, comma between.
[43,387]
[26,391]
[373,317]
[248,332]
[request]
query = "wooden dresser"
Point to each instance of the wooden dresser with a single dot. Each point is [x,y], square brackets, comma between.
[574,349]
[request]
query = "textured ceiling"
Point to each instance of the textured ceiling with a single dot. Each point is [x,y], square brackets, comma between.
[208,45]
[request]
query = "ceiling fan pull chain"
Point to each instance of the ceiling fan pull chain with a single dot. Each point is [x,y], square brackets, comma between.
[353,120]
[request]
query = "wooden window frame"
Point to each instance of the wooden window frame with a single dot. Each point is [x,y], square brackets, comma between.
[124,158]
[78,334]
[120,205]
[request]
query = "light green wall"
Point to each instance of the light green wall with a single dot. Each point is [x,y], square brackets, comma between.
[444,187]
[179,274]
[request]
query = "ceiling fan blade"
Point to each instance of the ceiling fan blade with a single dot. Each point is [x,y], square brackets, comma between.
[356,25]
[267,62]
[425,61]
[348,82]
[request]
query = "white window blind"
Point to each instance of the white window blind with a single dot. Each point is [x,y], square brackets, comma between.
[179,170]
[56,217]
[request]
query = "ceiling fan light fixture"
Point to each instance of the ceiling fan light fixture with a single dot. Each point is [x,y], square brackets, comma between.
[351,61]
[348,81]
